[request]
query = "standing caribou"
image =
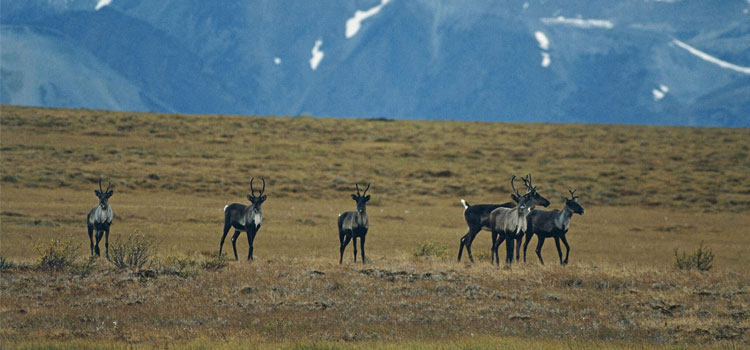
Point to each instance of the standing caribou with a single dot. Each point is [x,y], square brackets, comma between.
[245,218]
[509,224]
[99,219]
[553,223]
[477,216]
[354,224]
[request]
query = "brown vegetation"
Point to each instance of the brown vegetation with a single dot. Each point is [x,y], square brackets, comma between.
[647,191]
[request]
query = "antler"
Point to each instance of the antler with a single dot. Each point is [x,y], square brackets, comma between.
[527,181]
[365,192]
[252,190]
[100,185]
[108,184]
[513,186]
[572,194]
[357,186]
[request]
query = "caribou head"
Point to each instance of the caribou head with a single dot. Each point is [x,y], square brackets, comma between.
[103,194]
[260,198]
[361,199]
[531,192]
[572,203]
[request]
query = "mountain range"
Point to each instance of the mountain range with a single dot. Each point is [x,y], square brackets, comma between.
[666,62]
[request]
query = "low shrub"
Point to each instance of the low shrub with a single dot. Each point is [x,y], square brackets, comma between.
[56,255]
[135,252]
[701,259]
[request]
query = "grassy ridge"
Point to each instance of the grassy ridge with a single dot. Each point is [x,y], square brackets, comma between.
[698,168]
[646,190]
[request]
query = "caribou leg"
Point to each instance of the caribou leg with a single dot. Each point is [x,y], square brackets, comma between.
[526,243]
[251,231]
[227,226]
[509,249]
[495,246]
[493,249]
[559,251]
[539,245]
[354,245]
[567,249]
[91,238]
[106,241]
[362,245]
[98,238]
[466,241]
[518,247]
[344,243]
[234,243]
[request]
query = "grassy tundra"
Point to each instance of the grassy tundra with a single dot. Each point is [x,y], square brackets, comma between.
[646,190]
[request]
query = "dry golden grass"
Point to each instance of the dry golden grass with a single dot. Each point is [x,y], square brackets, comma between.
[646,190]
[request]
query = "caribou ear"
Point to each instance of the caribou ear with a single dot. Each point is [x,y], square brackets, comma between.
[367,198]
[110,193]
[249,197]
[354,197]
[515,198]
[263,198]
[97,193]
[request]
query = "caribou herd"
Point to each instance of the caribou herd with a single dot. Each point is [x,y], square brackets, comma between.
[508,222]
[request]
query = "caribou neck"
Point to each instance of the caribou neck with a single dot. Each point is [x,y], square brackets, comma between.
[562,221]
[362,217]
[254,214]
[103,214]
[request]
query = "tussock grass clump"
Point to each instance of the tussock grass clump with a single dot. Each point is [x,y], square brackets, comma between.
[5,264]
[214,262]
[86,267]
[432,249]
[56,255]
[178,265]
[135,252]
[700,259]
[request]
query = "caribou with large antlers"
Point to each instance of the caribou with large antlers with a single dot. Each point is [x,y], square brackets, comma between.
[99,219]
[354,224]
[509,224]
[247,218]
[553,223]
[477,216]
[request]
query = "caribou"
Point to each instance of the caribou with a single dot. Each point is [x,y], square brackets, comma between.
[99,219]
[247,218]
[553,223]
[509,224]
[354,224]
[477,216]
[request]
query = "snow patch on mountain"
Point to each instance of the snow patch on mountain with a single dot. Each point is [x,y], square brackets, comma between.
[708,58]
[579,22]
[660,92]
[102,3]
[355,23]
[317,55]
[542,39]
[546,60]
